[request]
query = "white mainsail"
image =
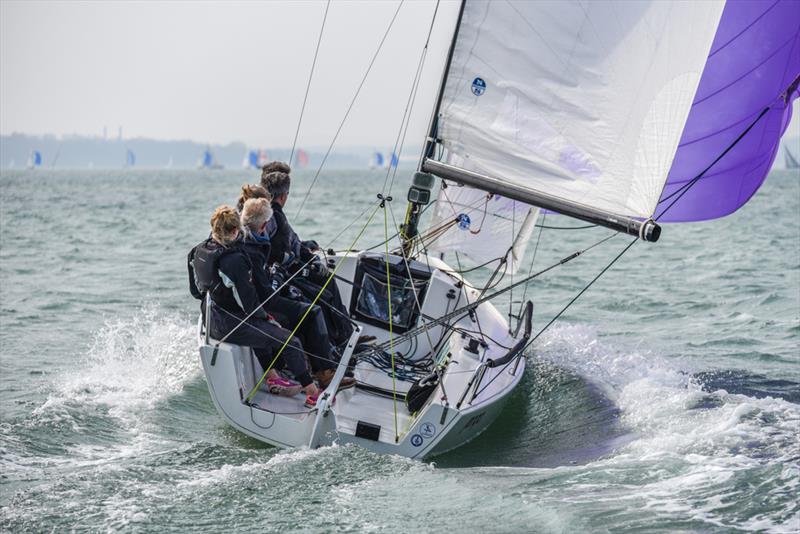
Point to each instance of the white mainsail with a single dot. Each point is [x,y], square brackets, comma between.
[580,101]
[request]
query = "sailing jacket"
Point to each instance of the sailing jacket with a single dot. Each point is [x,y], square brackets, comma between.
[227,274]
[258,252]
[285,243]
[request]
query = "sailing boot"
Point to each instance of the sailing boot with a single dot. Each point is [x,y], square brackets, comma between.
[325,376]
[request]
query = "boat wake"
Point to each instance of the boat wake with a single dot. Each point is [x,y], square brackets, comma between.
[701,452]
[132,365]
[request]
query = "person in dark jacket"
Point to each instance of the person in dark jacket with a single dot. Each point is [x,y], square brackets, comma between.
[255,216]
[256,191]
[220,267]
[292,254]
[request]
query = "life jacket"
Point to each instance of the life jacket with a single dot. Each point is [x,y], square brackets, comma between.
[204,269]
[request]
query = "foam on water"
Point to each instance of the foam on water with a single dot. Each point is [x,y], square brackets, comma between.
[132,364]
[693,443]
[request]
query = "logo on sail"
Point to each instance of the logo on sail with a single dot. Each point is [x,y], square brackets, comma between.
[463,221]
[478,86]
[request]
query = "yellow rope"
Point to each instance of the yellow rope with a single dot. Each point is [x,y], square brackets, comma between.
[391,333]
[308,309]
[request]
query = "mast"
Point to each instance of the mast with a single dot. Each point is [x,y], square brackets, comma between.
[416,193]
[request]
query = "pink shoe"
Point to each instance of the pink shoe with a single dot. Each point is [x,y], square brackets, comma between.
[283,387]
[311,400]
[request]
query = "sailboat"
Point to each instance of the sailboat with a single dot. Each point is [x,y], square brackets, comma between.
[250,160]
[791,161]
[130,158]
[35,159]
[301,159]
[376,161]
[614,113]
[207,161]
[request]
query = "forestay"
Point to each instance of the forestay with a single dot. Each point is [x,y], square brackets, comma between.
[581,101]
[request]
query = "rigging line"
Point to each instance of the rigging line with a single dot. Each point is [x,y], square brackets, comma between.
[533,260]
[310,77]
[389,302]
[409,106]
[415,91]
[484,264]
[349,108]
[474,314]
[685,187]
[513,240]
[410,277]
[559,314]
[398,233]
[308,309]
[464,309]
[441,228]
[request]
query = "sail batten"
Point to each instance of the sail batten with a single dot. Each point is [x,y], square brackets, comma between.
[572,104]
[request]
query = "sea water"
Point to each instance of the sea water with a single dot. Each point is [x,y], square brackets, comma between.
[667,398]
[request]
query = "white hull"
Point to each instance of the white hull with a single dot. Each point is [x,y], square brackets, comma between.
[476,393]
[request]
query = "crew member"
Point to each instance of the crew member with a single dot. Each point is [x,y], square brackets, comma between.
[218,266]
[290,312]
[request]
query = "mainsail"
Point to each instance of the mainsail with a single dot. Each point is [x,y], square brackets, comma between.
[573,106]
[754,64]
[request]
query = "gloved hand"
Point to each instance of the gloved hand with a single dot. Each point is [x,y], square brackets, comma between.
[278,276]
[318,269]
[311,245]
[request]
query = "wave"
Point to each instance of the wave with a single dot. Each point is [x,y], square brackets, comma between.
[132,364]
[725,457]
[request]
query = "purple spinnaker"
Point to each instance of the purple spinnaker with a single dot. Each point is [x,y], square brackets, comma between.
[754,59]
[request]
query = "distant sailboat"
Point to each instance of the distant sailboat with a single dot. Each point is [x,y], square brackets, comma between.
[208,161]
[250,160]
[377,161]
[394,161]
[263,159]
[35,159]
[255,159]
[130,158]
[169,163]
[301,159]
[791,162]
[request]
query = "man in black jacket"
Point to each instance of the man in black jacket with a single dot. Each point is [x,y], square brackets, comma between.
[218,266]
[290,253]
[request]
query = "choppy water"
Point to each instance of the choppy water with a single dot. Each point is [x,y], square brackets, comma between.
[667,399]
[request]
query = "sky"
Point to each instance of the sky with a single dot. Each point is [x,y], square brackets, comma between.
[217,72]
[221,72]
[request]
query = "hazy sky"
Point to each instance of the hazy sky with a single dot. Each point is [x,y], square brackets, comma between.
[218,72]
